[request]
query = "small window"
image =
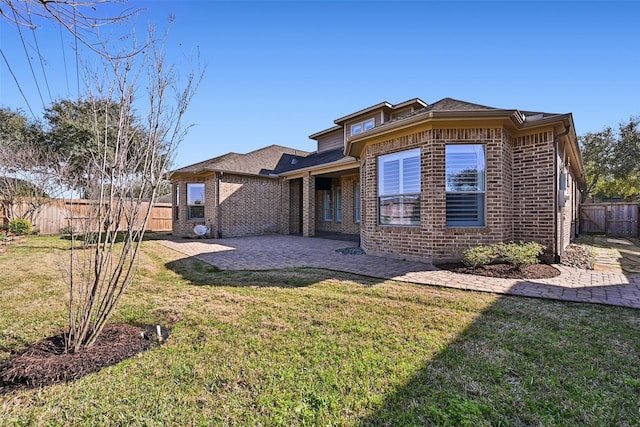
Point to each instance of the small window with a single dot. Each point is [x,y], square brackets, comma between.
[465,175]
[338,204]
[362,126]
[195,201]
[399,188]
[356,202]
[327,206]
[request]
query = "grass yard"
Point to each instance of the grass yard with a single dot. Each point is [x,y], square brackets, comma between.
[311,347]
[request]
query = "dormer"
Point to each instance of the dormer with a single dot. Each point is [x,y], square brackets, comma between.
[363,121]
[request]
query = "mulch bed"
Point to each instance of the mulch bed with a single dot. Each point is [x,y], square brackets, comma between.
[505,271]
[46,361]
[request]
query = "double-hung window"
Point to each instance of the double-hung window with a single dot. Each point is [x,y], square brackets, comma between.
[195,201]
[399,188]
[466,188]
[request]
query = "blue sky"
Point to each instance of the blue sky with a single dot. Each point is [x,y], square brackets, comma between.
[280,71]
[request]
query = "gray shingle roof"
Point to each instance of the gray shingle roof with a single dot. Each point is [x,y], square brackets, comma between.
[261,161]
[290,163]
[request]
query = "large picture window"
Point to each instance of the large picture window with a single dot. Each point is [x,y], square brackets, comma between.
[466,176]
[399,188]
[195,201]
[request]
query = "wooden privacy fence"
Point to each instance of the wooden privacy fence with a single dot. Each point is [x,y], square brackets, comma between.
[612,219]
[62,213]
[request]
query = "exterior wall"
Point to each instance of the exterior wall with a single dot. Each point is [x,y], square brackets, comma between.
[347,225]
[249,205]
[569,213]
[533,189]
[433,240]
[182,226]
[448,242]
[377,116]
[331,141]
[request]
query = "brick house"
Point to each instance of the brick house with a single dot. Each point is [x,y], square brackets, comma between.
[412,180]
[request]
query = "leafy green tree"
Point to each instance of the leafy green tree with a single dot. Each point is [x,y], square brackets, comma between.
[611,161]
[627,149]
[85,130]
[597,155]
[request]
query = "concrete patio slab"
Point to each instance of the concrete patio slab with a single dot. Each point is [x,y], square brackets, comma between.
[280,251]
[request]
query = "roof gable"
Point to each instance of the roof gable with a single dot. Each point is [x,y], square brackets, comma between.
[450,104]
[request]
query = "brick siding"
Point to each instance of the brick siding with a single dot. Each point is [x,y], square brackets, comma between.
[533,188]
[520,204]
[248,206]
[519,194]
[347,225]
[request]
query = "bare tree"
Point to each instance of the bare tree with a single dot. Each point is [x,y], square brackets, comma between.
[27,181]
[106,235]
[120,173]
[29,170]
[81,18]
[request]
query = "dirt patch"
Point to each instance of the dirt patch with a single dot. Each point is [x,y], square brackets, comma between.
[46,361]
[505,271]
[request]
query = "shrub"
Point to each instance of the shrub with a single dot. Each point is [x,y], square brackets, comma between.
[517,254]
[20,227]
[520,254]
[479,255]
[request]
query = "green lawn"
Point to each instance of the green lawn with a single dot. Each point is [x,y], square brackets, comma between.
[312,347]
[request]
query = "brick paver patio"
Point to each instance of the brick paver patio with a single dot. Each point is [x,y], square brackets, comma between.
[612,287]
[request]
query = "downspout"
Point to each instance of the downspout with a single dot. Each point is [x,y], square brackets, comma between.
[556,140]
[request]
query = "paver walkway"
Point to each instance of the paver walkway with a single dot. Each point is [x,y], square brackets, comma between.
[278,251]
[616,254]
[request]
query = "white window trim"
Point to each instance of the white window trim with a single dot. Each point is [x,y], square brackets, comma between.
[401,155]
[483,192]
[189,205]
[363,124]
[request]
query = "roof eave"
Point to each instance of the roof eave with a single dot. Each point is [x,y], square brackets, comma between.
[232,172]
[513,115]
[383,104]
[325,132]
[296,172]
[409,102]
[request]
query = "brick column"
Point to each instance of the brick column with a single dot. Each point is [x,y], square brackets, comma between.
[285,207]
[308,205]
